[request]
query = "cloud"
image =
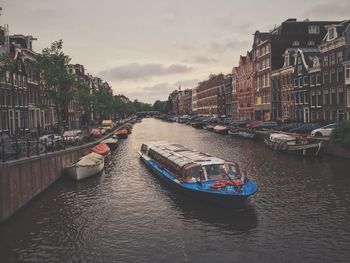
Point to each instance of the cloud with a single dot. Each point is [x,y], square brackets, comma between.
[200,60]
[330,10]
[188,83]
[137,71]
[152,93]
[229,45]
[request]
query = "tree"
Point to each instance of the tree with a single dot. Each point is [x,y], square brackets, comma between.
[85,99]
[52,66]
[6,64]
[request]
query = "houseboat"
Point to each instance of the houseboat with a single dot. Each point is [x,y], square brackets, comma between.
[289,143]
[197,174]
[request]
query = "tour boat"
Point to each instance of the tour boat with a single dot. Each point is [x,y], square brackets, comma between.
[122,133]
[87,166]
[197,174]
[221,129]
[102,149]
[112,143]
[288,143]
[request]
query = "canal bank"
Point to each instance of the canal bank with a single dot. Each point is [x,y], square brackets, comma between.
[24,179]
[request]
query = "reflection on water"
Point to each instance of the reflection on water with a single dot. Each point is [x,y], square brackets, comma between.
[300,213]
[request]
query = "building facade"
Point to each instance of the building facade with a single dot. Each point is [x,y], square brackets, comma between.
[210,97]
[333,51]
[245,87]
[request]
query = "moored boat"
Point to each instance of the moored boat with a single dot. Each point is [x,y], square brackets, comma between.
[197,174]
[87,166]
[102,149]
[112,143]
[209,127]
[289,143]
[122,133]
[221,129]
[246,134]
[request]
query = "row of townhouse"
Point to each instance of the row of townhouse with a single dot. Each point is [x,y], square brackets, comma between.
[25,107]
[297,71]
[181,101]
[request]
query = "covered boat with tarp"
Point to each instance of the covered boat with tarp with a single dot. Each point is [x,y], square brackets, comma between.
[200,175]
[102,149]
[122,133]
[87,166]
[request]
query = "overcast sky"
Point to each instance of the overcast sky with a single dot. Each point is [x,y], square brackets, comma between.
[147,48]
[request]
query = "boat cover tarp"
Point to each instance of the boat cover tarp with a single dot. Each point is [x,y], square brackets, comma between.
[101,148]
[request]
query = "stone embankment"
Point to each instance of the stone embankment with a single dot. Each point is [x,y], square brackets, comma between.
[22,180]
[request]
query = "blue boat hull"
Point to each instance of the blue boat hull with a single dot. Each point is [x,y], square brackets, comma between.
[235,201]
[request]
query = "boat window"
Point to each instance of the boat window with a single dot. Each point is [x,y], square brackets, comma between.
[144,148]
[193,174]
[216,172]
[231,169]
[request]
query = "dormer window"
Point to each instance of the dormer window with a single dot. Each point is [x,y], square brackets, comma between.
[331,33]
[286,60]
[314,29]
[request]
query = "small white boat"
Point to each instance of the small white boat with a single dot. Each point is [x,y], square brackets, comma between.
[87,166]
[285,142]
[221,129]
[246,134]
[112,143]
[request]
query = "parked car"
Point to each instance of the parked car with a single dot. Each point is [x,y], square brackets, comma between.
[289,126]
[306,128]
[51,140]
[252,124]
[324,131]
[267,125]
[73,137]
[96,132]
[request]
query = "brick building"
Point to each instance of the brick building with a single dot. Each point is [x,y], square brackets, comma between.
[245,87]
[210,97]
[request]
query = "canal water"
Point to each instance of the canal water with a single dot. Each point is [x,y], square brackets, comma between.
[300,214]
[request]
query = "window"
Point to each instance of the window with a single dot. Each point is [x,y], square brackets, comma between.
[314,29]
[318,79]
[326,97]
[325,77]
[348,97]
[339,74]
[296,82]
[332,76]
[300,69]
[313,99]
[330,33]
[319,98]
[339,57]
[331,59]
[325,61]
[333,96]
[312,80]
[340,96]
[295,43]
[311,43]
[347,73]
[300,82]
[306,81]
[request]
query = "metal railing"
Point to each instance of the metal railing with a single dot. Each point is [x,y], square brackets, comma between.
[18,148]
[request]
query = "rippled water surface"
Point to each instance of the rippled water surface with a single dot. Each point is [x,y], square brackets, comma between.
[300,214]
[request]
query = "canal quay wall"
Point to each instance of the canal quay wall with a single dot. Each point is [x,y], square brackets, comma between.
[22,180]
